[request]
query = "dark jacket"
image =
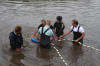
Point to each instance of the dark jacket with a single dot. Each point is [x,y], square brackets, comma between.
[59,26]
[16,40]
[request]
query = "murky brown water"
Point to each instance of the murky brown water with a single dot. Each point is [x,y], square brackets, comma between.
[29,13]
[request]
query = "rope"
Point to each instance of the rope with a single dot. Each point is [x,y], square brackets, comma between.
[84,45]
[61,57]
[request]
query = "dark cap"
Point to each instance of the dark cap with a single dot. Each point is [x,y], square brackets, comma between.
[59,18]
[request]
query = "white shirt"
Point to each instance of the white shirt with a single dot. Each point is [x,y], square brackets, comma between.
[49,32]
[81,29]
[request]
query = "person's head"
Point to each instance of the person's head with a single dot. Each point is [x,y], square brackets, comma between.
[43,22]
[18,29]
[74,23]
[59,18]
[48,22]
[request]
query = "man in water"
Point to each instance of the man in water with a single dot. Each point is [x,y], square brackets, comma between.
[45,34]
[78,32]
[59,27]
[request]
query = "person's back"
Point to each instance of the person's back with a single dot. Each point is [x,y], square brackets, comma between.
[48,33]
[45,34]
[16,39]
[59,26]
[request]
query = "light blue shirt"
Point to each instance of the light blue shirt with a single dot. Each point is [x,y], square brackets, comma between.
[48,33]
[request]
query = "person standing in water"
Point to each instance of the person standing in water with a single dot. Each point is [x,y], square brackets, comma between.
[43,23]
[45,34]
[78,32]
[59,27]
[16,39]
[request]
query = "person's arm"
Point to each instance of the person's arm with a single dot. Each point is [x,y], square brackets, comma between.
[11,38]
[54,33]
[21,38]
[82,36]
[22,47]
[13,43]
[67,33]
[36,31]
[54,26]
[37,36]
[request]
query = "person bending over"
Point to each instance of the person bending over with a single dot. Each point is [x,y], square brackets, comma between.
[16,39]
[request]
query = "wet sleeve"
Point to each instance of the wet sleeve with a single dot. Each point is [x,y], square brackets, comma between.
[21,40]
[11,38]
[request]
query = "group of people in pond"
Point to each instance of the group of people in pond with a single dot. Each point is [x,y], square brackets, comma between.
[45,33]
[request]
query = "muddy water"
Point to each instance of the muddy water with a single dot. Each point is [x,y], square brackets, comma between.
[29,13]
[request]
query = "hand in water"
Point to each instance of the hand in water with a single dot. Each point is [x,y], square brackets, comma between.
[61,37]
[17,49]
[55,36]
[32,36]
[22,47]
[76,41]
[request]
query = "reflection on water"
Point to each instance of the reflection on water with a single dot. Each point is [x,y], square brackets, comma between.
[60,44]
[43,53]
[16,59]
[75,53]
